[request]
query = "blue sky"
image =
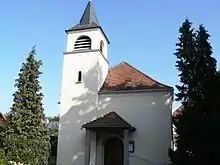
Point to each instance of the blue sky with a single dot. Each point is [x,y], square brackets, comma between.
[143,33]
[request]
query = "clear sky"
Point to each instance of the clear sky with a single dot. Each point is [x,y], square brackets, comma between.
[142,32]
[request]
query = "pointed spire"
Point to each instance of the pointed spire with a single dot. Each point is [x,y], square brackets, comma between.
[89,15]
[88,19]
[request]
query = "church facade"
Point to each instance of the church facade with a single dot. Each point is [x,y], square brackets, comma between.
[109,116]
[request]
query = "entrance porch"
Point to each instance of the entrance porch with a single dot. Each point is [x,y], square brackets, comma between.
[109,138]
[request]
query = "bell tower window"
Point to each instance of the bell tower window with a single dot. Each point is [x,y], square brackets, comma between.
[80,76]
[101,46]
[83,43]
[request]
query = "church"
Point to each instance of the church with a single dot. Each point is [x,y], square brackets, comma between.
[109,115]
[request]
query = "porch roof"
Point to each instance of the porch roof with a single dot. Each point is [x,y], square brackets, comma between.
[109,120]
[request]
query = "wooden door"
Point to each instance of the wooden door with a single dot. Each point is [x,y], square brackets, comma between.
[113,152]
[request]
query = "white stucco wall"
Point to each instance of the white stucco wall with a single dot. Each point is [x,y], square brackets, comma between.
[150,114]
[78,102]
[77,105]
[102,72]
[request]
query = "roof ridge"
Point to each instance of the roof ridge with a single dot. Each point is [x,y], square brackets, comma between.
[147,76]
[116,65]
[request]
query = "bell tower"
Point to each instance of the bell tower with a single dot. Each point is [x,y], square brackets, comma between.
[85,64]
[85,67]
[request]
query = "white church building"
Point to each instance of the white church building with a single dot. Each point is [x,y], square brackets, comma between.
[109,116]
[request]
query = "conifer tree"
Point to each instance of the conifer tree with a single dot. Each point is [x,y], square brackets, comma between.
[185,53]
[205,67]
[207,106]
[26,139]
[197,126]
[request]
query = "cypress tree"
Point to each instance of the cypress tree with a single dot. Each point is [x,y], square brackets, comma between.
[26,139]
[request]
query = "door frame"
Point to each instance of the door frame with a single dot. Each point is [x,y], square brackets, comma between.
[103,145]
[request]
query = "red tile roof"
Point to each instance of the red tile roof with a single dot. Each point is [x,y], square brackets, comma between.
[126,77]
[109,120]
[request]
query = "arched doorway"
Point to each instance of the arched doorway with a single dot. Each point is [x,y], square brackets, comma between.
[113,151]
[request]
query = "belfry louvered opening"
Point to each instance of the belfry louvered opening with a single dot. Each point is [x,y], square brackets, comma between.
[101,46]
[83,43]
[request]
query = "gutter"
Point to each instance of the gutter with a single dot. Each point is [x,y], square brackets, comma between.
[137,91]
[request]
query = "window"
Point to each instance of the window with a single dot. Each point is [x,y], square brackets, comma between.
[131,147]
[101,46]
[80,76]
[83,43]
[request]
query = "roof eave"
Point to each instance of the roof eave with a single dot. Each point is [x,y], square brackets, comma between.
[168,89]
[131,128]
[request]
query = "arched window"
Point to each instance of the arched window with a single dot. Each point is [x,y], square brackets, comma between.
[83,43]
[101,46]
[79,76]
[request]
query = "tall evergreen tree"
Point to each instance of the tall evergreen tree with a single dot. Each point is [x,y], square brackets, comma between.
[185,53]
[206,107]
[196,126]
[26,139]
[205,68]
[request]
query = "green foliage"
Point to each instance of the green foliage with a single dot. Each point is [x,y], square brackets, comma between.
[185,53]
[2,157]
[197,126]
[26,139]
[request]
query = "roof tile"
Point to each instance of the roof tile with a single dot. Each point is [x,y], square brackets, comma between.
[126,77]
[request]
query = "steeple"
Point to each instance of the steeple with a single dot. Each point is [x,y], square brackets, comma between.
[89,16]
[88,19]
